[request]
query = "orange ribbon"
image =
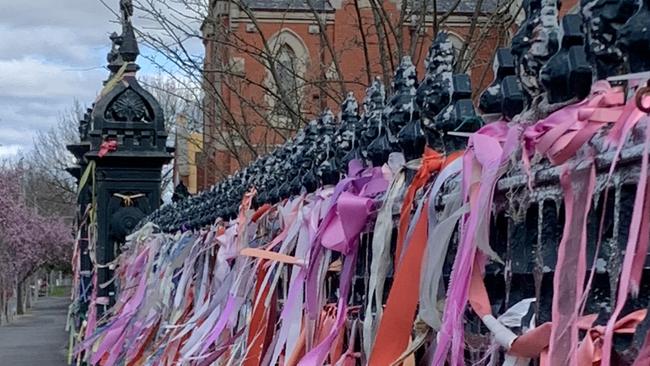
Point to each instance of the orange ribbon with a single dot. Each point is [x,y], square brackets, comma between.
[261,212]
[259,330]
[535,342]
[393,334]
[431,162]
[299,350]
[270,255]
[395,326]
[350,357]
[326,322]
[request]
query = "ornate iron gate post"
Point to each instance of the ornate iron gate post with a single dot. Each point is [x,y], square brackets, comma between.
[126,149]
[84,198]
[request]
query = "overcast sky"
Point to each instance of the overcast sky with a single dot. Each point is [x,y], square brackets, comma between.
[51,53]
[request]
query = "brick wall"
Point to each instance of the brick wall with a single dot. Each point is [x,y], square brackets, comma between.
[248,108]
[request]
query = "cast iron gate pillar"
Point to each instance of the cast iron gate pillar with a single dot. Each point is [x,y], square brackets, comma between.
[84,199]
[126,150]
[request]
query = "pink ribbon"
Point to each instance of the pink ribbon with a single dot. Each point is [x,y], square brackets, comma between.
[590,350]
[357,185]
[351,215]
[563,132]
[340,231]
[115,334]
[226,313]
[639,233]
[559,137]
[350,357]
[106,147]
[570,270]
[489,149]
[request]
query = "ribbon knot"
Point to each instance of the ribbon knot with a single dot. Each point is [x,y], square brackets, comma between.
[349,217]
[590,350]
[106,147]
[534,343]
[605,105]
[562,133]
[432,161]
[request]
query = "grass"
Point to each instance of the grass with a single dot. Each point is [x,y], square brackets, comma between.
[60,291]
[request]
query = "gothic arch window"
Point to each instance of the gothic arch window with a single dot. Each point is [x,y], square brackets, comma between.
[291,58]
[457,43]
[288,73]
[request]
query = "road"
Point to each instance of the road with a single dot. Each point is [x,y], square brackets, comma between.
[38,338]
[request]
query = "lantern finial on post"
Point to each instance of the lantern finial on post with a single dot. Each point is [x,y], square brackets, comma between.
[126,9]
[129,50]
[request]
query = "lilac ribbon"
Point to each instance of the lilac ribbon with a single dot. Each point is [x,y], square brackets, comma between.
[482,165]
[114,335]
[340,231]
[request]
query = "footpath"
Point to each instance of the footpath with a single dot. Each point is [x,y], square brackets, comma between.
[37,338]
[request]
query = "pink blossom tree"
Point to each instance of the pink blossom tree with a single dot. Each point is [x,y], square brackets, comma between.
[28,241]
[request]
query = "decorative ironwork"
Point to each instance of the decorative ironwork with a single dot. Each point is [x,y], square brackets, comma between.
[435,90]
[633,38]
[602,21]
[491,100]
[129,120]
[567,74]
[128,107]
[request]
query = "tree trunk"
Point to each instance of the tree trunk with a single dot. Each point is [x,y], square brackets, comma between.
[20,299]
[28,293]
[36,284]
[50,283]
[3,305]
[5,308]
[10,309]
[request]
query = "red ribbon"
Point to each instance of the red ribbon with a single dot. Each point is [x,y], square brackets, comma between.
[106,147]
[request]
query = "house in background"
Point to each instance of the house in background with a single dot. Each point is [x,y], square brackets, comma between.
[271,65]
[189,144]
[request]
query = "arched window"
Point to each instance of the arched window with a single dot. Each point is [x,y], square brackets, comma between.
[290,62]
[457,43]
[288,72]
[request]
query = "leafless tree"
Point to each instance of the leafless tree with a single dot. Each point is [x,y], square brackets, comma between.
[179,100]
[177,30]
[48,186]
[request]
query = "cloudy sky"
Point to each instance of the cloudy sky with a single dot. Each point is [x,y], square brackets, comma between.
[51,53]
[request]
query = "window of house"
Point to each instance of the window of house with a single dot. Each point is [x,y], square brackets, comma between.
[287,70]
[457,43]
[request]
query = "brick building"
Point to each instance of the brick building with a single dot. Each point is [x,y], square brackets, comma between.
[250,45]
[189,145]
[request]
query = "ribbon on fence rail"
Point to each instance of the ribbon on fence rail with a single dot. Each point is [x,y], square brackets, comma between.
[278,285]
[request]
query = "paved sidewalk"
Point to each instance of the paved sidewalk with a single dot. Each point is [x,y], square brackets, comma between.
[38,338]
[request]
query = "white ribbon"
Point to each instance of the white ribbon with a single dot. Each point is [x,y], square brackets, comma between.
[291,317]
[439,236]
[382,236]
[504,337]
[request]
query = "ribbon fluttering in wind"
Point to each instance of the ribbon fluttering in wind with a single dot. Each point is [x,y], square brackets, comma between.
[340,232]
[279,284]
[395,325]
